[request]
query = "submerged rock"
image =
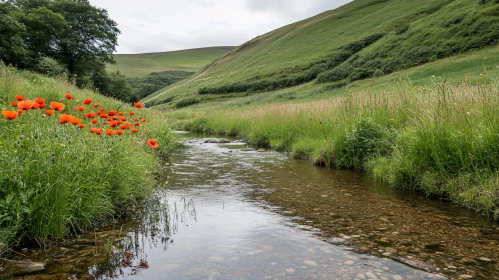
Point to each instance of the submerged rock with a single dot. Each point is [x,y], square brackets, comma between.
[217,141]
[26,265]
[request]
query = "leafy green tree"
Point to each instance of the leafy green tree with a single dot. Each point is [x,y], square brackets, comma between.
[12,46]
[89,35]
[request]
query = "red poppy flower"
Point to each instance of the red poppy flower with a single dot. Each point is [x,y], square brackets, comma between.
[10,115]
[131,113]
[143,120]
[112,112]
[35,106]
[20,97]
[82,125]
[42,106]
[98,131]
[87,101]
[81,108]
[119,132]
[153,143]
[19,112]
[64,118]
[57,106]
[103,116]
[136,124]
[121,113]
[49,112]
[110,132]
[69,96]
[75,120]
[113,124]
[95,121]
[14,104]
[25,105]
[96,105]
[138,105]
[40,100]
[134,130]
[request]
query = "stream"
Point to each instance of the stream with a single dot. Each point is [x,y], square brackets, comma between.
[227,211]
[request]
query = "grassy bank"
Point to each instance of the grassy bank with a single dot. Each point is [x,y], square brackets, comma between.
[440,140]
[57,179]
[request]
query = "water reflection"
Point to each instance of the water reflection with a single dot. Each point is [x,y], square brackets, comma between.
[232,213]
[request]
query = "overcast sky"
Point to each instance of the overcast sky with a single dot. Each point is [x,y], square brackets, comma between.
[168,25]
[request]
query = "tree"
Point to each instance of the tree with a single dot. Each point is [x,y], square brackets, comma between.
[89,35]
[12,46]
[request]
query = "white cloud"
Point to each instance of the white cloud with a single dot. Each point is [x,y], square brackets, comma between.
[156,26]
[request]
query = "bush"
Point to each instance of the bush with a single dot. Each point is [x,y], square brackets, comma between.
[188,101]
[49,66]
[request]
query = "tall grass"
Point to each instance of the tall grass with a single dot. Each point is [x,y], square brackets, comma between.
[59,179]
[441,141]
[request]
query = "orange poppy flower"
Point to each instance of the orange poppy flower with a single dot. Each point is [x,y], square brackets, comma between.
[90,115]
[134,130]
[57,106]
[87,101]
[98,131]
[49,112]
[69,96]
[123,119]
[131,113]
[103,116]
[10,115]
[20,97]
[42,106]
[110,132]
[81,108]
[113,124]
[75,120]
[14,104]
[153,143]
[64,118]
[96,105]
[138,105]
[35,106]
[25,105]
[124,126]
[112,112]
[143,120]
[119,132]
[121,113]
[40,100]
[95,121]
[19,112]
[82,125]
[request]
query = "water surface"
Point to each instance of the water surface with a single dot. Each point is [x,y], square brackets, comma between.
[229,213]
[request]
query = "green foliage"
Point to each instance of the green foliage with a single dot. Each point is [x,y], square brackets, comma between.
[12,46]
[155,81]
[48,66]
[186,102]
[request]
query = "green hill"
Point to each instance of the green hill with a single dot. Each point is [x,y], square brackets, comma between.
[139,65]
[363,39]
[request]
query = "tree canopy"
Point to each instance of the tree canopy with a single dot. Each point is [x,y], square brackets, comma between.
[62,34]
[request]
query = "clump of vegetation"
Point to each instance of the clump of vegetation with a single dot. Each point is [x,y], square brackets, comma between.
[70,160]
[144,86]
[439,141]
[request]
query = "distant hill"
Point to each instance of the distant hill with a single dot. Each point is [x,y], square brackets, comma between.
[360,40]
[139,65]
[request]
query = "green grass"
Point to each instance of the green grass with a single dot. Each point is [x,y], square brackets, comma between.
[139,65]
[440,140]
[57,179]
[362,39]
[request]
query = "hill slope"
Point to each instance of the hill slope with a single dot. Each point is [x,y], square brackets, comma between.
[138,65]
[360,40]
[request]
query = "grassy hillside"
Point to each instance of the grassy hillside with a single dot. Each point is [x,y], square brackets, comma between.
[138,65]
[363,39]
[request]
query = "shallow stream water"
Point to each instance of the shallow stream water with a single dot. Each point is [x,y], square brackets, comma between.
[229,212]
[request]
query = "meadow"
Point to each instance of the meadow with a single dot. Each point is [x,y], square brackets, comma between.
[140,65]
[70,159]
[439,140]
